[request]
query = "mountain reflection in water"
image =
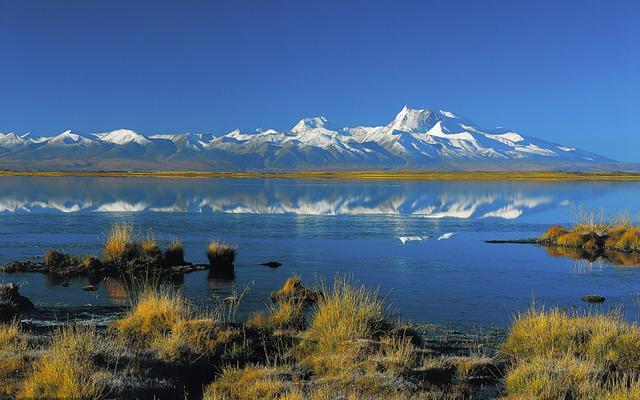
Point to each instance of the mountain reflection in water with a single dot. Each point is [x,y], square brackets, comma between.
[462,200]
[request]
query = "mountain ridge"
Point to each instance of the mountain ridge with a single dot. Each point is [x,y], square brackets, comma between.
[416,138]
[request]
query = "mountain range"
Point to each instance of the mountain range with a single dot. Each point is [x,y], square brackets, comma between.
[414,139]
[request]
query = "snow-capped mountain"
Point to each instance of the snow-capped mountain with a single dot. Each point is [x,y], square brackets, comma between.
[414,139]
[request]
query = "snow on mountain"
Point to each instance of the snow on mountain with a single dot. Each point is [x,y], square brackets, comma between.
[68,137]
[123,136]
[414,138]
[9,140]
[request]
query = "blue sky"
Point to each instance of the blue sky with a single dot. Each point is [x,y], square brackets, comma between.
[563,71]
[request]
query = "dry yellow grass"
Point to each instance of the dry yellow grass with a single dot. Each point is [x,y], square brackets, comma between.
[553,233]
[606,340]
[190,339]
[347,313]
[250,383]
[119,242]
[149,242]
[555,355]
[163,321]
[554,379]
[284,315]
[13,347]
[343,330]
[66,369]
[154,314]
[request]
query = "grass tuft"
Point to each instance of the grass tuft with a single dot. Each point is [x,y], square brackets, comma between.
[294,291]
[221,255]
[120,244]
[154,314]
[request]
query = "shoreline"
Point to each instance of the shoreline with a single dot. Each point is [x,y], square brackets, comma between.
[541,176]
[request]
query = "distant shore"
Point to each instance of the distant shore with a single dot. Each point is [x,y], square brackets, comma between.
[370,175]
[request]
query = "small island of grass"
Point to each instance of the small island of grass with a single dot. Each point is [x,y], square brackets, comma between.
[618,239]
[126,253]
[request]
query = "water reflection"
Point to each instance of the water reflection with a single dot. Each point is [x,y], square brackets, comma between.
[617,258]
[434,200]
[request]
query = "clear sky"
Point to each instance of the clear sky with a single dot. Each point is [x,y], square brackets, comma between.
[567,71]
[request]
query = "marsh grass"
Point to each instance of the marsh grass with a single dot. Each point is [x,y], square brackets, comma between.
[66,369]
[220,255]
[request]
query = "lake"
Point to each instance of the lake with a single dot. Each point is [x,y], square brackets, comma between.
[420,243]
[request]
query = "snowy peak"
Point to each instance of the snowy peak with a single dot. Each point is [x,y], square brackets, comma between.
[414,120]
[11,140]
[308,124]
[68,137]
[123,136]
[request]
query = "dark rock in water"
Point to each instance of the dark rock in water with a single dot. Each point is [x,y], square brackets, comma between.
[272,264]
[593,298]
[513,241]
[89,288]
[12,303]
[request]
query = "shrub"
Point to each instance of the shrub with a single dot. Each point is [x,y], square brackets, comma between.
[154,314]
[221,255]
[174,254]
[66,369]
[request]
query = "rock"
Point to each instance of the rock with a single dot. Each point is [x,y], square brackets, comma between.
[593,298]
[12,303]
[272,264]
[89,288]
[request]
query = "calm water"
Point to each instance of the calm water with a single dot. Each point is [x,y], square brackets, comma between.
[420,243]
